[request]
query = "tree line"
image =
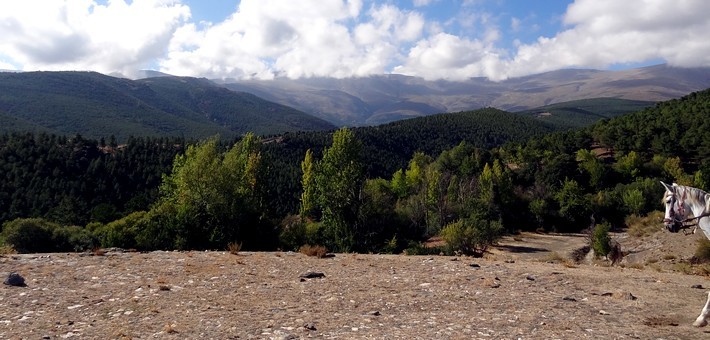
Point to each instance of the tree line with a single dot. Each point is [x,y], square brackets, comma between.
[213,193]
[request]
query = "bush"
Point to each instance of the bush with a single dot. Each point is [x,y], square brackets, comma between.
[600,239]
[29,235]
[293,232]
[702,252]
[419,248]
[317,251]
[472,236]
[36,235]
[73,238]
[642,226]
[120,233]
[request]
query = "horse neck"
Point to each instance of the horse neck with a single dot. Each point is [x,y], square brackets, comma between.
[698,202]
[695,199]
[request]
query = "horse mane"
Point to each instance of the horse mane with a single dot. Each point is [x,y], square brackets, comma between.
[693,195]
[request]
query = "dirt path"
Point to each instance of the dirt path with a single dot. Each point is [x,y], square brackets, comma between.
[538,247]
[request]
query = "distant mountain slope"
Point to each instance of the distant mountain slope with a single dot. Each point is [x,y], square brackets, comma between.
[96,105]
[674,128]
[584,112]
[379,99]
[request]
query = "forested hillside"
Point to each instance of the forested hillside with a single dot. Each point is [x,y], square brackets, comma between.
[581,113]
[96,106]
[74,180]
[362,189]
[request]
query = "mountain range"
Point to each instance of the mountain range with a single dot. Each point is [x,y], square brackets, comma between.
[380,99]
[95,105]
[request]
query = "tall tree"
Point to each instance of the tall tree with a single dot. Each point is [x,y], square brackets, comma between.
[308,196]
[339,180]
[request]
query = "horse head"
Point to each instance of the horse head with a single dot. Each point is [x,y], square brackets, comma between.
[676,211]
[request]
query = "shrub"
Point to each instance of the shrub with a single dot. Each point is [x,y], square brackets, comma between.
[317,251]
[234,248]
[120,233]
[600,239]
[472,236]
[29,235]
[293,232]
[73,238]
[643,226]
[419,248]
[702,252]
[36,235]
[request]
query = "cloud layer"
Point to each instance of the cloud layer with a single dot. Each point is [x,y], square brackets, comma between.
[265,39]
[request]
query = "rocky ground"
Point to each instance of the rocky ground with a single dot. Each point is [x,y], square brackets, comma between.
[524,289]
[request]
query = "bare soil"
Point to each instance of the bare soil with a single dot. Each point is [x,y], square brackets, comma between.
[524,289]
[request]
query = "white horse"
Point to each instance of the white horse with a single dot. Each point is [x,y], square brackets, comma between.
[680,201]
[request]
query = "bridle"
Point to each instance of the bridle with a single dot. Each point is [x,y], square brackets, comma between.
[675,221]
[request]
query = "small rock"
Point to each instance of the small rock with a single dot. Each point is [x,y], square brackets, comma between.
[474,265]
[310,326]
[603,312]
[530,278]
[311,275]
[697,286]
[15,279]
[569,298]
[374,313]
[509,261]
[455,259]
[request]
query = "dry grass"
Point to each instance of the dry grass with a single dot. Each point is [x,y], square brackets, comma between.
[317,251]
[234,248]
[702,252]
[555,257]
[170,329]
[633,265]
[7,250]
[642,226]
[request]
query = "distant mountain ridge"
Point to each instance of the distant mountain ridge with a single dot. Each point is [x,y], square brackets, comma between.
[381,99]
[97,105]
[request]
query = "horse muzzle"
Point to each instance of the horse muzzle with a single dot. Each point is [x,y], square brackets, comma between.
[672,225]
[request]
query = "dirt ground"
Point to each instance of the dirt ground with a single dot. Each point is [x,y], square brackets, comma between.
[524,289]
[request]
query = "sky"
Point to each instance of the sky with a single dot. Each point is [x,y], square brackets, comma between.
[434,39]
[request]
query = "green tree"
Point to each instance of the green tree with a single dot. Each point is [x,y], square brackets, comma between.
[573,205]
[629,165]
[214,195]
[308,196]
[339,179]
[592,166]
[600,239]
[472,236]
[634,201]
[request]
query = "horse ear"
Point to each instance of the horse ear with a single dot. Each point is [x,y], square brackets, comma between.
[666,186]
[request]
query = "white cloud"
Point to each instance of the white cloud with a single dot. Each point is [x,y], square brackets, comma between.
[83,35]
[343,38]
[599,33]
[451,57]
[607,32]
[316,38]
[421,3]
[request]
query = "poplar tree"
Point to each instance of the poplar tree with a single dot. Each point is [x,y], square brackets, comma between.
[339,179]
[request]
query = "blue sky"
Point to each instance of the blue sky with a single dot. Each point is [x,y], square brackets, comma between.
[433,39]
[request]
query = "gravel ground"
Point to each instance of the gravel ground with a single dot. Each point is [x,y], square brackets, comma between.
[217,295]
